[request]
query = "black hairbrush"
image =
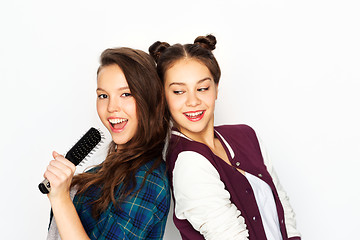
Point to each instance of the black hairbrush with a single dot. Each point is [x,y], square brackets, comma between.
[78,152]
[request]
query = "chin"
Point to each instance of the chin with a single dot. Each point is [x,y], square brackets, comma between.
[194,130]
[120,140]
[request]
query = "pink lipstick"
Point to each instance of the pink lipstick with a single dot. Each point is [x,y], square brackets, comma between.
[194,116]
[117,124]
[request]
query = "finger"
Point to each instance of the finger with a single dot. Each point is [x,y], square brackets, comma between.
[59,183]
[58,172]
[51,177]
[60,165]
[63,160]
[55,154]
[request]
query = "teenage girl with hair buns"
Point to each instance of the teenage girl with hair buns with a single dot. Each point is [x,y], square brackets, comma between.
[223,183]
[127,196]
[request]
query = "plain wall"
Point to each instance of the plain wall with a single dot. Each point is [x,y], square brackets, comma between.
[290,69]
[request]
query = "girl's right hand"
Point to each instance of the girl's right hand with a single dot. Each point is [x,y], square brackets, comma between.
[59,172]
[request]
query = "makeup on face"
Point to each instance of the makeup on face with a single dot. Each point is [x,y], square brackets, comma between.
[191,93]
[115,105]
[117,124]
[194,116]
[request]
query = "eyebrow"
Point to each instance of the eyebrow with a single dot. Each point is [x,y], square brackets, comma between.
[181,83]
[119,89]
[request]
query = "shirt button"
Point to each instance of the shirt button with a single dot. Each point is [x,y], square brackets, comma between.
[260,175]
[237,164]
[255,218]
[248,190]
[282,221]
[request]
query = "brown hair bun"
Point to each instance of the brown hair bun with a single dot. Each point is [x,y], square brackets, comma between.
[207,42]
[157,48]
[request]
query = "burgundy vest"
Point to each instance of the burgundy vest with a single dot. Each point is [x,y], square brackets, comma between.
[248,157]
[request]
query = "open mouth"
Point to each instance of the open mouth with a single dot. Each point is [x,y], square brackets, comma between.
[117,124]
[194,116]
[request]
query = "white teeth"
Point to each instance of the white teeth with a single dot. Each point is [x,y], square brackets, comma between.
[194,114]
[117,120]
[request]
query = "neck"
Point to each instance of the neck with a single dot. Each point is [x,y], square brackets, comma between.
[206,136]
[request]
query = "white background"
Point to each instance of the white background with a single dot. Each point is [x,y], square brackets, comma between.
[290,69]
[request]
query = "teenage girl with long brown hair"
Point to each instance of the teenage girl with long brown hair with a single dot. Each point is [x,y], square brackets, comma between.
[127,195]
[223,183]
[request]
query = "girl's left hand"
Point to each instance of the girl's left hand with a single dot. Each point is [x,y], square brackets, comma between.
[59,172]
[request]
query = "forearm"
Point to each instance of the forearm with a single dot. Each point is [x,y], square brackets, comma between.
[225,223]
[67,219]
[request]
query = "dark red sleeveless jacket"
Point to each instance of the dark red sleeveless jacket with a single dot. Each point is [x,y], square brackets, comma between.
[248,157]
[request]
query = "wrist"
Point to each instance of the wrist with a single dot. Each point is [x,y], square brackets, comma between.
[59,199]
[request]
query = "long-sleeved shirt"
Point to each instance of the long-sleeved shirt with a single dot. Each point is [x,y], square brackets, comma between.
[219,202]
[141,215]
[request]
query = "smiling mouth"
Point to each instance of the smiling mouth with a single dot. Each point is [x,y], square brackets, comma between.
[194,116]
[118,124]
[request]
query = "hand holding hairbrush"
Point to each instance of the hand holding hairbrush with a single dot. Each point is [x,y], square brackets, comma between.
[78,153]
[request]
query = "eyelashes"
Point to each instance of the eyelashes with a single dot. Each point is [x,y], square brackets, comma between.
[179,92]
[105,96]
[126,95]
[102,96]
[203,89]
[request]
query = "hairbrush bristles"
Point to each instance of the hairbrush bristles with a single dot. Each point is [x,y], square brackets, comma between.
[93,135]
[84,146]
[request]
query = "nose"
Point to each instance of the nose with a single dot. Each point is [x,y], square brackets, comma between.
[192,99]
[113,105]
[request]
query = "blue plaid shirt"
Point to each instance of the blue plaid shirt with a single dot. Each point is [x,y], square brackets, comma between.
[140,216]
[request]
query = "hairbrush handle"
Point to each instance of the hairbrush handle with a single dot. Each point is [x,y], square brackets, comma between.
[44,186]
[77,153]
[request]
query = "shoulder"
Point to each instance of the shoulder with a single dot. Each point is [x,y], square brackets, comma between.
[153,176]
[192,167]
[180,143]
[237,131]
[191,158]
[235,128]
[196,160]
[151,195]
[153,184]
[139,214]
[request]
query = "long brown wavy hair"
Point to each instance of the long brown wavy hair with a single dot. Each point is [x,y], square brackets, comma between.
[120,166]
